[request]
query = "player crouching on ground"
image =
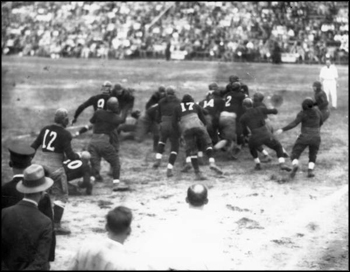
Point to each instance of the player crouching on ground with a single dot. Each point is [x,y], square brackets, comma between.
[311,121]
[189,119]
[80,168]
[254,119]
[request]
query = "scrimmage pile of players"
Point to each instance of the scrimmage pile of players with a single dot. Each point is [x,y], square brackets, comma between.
[226,119]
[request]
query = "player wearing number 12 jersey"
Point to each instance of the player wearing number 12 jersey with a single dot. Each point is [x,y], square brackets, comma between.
[55,142]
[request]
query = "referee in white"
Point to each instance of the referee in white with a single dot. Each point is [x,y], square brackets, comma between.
[328,77]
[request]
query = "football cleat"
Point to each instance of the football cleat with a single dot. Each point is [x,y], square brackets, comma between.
[257,166]
[59,230]
[285,167]
[294,171]
[156,164]
[169,173]
[216,169]
[310,173]
[199,176]
[186,168]
[120,186]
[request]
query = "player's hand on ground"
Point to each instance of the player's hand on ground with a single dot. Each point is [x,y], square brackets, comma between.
[74,121]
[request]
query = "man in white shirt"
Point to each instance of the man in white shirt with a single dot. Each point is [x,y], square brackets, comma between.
[192,241]
[328,78]
[108,253]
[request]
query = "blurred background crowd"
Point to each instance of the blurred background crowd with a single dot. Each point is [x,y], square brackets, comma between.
[226,31]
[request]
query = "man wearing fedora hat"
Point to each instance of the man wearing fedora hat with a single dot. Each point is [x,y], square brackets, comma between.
[26,233]
[20,158]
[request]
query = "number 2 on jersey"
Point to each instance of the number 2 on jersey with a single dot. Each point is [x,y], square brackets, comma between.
[227,104]
[48,141]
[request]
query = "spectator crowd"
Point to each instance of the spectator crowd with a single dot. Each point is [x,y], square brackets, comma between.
[248,31]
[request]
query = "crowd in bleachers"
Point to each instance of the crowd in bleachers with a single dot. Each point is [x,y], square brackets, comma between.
[251,31]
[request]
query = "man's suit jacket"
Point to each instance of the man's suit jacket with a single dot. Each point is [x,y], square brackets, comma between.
[26,237]
[10,196]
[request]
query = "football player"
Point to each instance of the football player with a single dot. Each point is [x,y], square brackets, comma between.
[105,122]
[311,120]
[55,141]
[189,119]
[213,105]
[98,101]
[254,119]
[230,127]
[166,108]
[80,168]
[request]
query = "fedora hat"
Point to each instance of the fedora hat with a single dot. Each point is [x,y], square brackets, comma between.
[34,180]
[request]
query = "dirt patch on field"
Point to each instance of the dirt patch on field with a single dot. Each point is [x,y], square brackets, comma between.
[272,223]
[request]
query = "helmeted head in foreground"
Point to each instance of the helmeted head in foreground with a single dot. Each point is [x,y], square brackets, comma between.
[236,86]
[247,102]
[161,92]
[308,103]
[187,98]
[258,97]
[106,87]
[170,90]
[317,86]
[117,89]
[213,86]
[197,195]
[233,79]
[61,117]
[113,104]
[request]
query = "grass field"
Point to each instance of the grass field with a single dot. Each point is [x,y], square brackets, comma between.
[33,88]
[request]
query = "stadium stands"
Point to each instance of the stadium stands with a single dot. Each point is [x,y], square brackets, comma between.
[227,31]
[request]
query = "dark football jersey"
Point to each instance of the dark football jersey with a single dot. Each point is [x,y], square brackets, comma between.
[98,101]
[55,138]
[233,102]
[186,108]
[213,104]
[105,121]
[166,106]
[75,169]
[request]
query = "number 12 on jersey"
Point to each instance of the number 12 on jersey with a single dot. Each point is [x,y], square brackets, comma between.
[49,139]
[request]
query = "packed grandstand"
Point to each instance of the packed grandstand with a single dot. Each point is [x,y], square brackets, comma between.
[300,32]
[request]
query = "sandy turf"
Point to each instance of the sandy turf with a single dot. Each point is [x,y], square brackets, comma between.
[298,225]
